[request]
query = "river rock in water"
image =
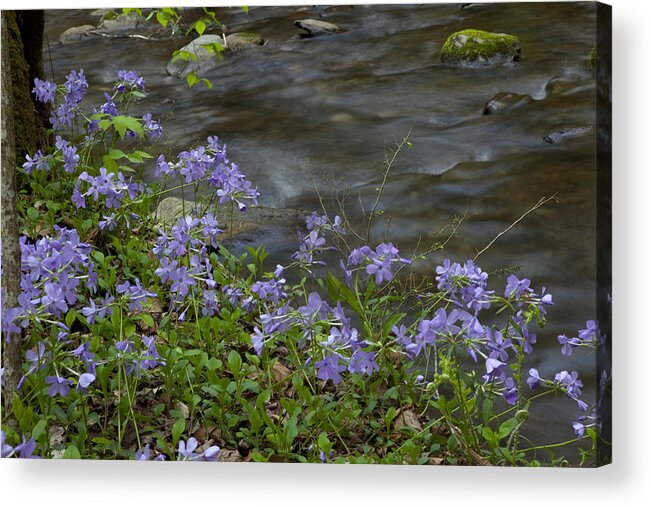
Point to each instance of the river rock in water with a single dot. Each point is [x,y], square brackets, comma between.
[315,27]
[506,102]
[476,48]
[76,34]
[206,57]
[121,23]
[561,135]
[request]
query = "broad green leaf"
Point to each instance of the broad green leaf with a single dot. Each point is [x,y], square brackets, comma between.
[71,453]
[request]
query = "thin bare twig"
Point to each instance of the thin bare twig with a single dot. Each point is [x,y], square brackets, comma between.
[543,200]
[389,163]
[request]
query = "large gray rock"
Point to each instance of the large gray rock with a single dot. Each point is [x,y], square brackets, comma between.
[477,48]
[76,34]
[122,23]
[315,27]
[205,51]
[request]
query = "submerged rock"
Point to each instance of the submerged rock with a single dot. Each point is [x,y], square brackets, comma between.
[76,33]
[315,27]
[476,48]
[207,51]
[506,102]
[121,23]
[561,135]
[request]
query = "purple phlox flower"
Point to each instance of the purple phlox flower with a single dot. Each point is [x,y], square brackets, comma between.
[39,162]
[130,79]
[534,379]
[163,168]
[211,453]
[142,454]
[569,382]
[186,451]
[85,379]
[257,340]
[78,199]
[109,106]
[210,304]
[316,308]
[44,90]
[58,385]
[26,449]
[151,356]
[516,287]
[166,269]
[7,450]
[182,280]
[109,223]
[510,393]
[152,128]
[277,320]
[211,230]
[271,290]
[498,345]
[329,368]
[54,300]
[362,362]
[494,367]
[400,333]
[568,344]
[579,429]
[76,86]
[38,359]
[135,293]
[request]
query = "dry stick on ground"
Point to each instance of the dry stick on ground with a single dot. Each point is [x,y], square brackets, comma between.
[543,200]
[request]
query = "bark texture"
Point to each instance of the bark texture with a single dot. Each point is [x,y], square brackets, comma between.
[10,260]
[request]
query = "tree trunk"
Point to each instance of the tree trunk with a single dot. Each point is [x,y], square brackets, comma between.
[10,260]
[31,25]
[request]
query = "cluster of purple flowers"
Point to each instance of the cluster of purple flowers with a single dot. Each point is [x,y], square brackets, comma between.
[52,269]
[568,383]
[112,186]
[184,262]
[376,263]
[211,163]
[466,287]
[75,88]
[138,356]
[314,242]
[590,337]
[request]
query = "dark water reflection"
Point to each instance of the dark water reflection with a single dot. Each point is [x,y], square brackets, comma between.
[295,110]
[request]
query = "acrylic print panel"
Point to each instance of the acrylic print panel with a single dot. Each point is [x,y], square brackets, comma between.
[333,234]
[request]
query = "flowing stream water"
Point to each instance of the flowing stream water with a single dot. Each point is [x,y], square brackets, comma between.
[299,113]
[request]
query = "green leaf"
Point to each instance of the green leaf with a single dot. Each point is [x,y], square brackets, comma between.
[324,443]
[200,27]
[177,431]
[39,429]
[71,453]
[116,154]
[234,363]
[147,319]
[507,427]
[129,329]
[33,214]
[123,123]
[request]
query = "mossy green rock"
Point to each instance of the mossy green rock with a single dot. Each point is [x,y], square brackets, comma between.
[476,48]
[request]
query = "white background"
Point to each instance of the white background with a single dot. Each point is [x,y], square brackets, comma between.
[626,482]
